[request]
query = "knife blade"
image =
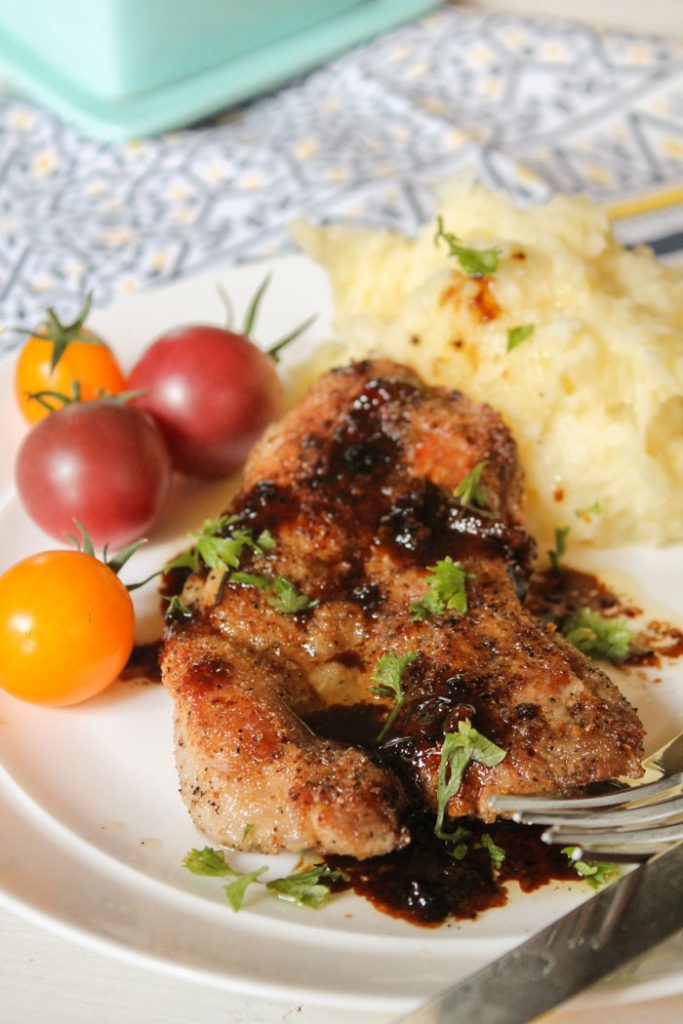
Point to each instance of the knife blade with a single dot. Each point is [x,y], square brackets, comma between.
[617,925]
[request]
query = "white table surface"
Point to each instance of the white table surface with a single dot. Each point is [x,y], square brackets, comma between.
[47,980]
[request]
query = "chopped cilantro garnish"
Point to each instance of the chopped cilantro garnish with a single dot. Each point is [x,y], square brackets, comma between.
[207,862]
[496,853]
[265,541]
[212,862]
[459,748]
[459,842]
[220,547]
[459,851]
[388,674]
[284,596]
[447,590]
[598,637]
[308,888]
[470,490]
[560,547]
[251,579]
[185,560]
[596,873]
[235,890]
[516,335]
[475,262]
[287,599]
[224,553]
[176,609]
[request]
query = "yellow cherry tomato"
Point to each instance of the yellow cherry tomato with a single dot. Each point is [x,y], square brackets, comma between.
[59,357]
[66,628]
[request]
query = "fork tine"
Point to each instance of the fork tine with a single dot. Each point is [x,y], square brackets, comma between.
[626,822]
[541,804]
[608,854]
[631,815]
[616,838]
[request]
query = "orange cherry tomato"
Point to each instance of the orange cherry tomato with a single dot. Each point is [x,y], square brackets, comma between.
[93,365]
[66,628]
[59,356]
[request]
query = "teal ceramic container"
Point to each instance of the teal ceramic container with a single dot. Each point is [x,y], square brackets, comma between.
[125,68]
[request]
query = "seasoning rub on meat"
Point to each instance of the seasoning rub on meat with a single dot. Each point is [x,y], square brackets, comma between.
[354,538]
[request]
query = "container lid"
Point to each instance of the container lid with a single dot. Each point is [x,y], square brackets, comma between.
[189,99]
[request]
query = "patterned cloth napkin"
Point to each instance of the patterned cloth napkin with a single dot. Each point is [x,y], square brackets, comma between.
[532,106]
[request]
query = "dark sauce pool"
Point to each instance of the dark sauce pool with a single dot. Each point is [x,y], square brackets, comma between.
[556,594]
[425,885]
[143,663]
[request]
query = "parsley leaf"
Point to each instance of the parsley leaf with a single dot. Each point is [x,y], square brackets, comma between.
[560,547]
[598,637]
[251,579]
[176,609]
[475,262]
[496,853]
[287,599]
[207,862]
[388,673]
[307,888]
[211,528]
[212,862]
[470,491]
[220,547]
[265,541]
[459,838]
[459,748]
[596,873]
[310,888]
[447,590]
[516,335]
[284,596]
[459,851]
[185,560]
[235,891]
[224,553]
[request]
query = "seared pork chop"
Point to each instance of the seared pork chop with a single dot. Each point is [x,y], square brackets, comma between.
[354,493]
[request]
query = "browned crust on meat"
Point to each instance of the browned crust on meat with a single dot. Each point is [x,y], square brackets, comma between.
[356,485]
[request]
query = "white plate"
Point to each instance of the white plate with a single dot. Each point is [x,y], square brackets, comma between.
[93,830]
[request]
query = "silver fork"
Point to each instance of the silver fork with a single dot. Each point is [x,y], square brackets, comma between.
[629,822]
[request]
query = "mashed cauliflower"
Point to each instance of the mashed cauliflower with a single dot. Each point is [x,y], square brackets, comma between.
[576,341]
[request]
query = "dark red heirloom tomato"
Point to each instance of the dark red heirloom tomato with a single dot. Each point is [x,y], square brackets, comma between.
[211,392]
[101,462]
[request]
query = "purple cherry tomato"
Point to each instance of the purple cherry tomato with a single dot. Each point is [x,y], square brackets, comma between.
[102,462]
[212,394]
